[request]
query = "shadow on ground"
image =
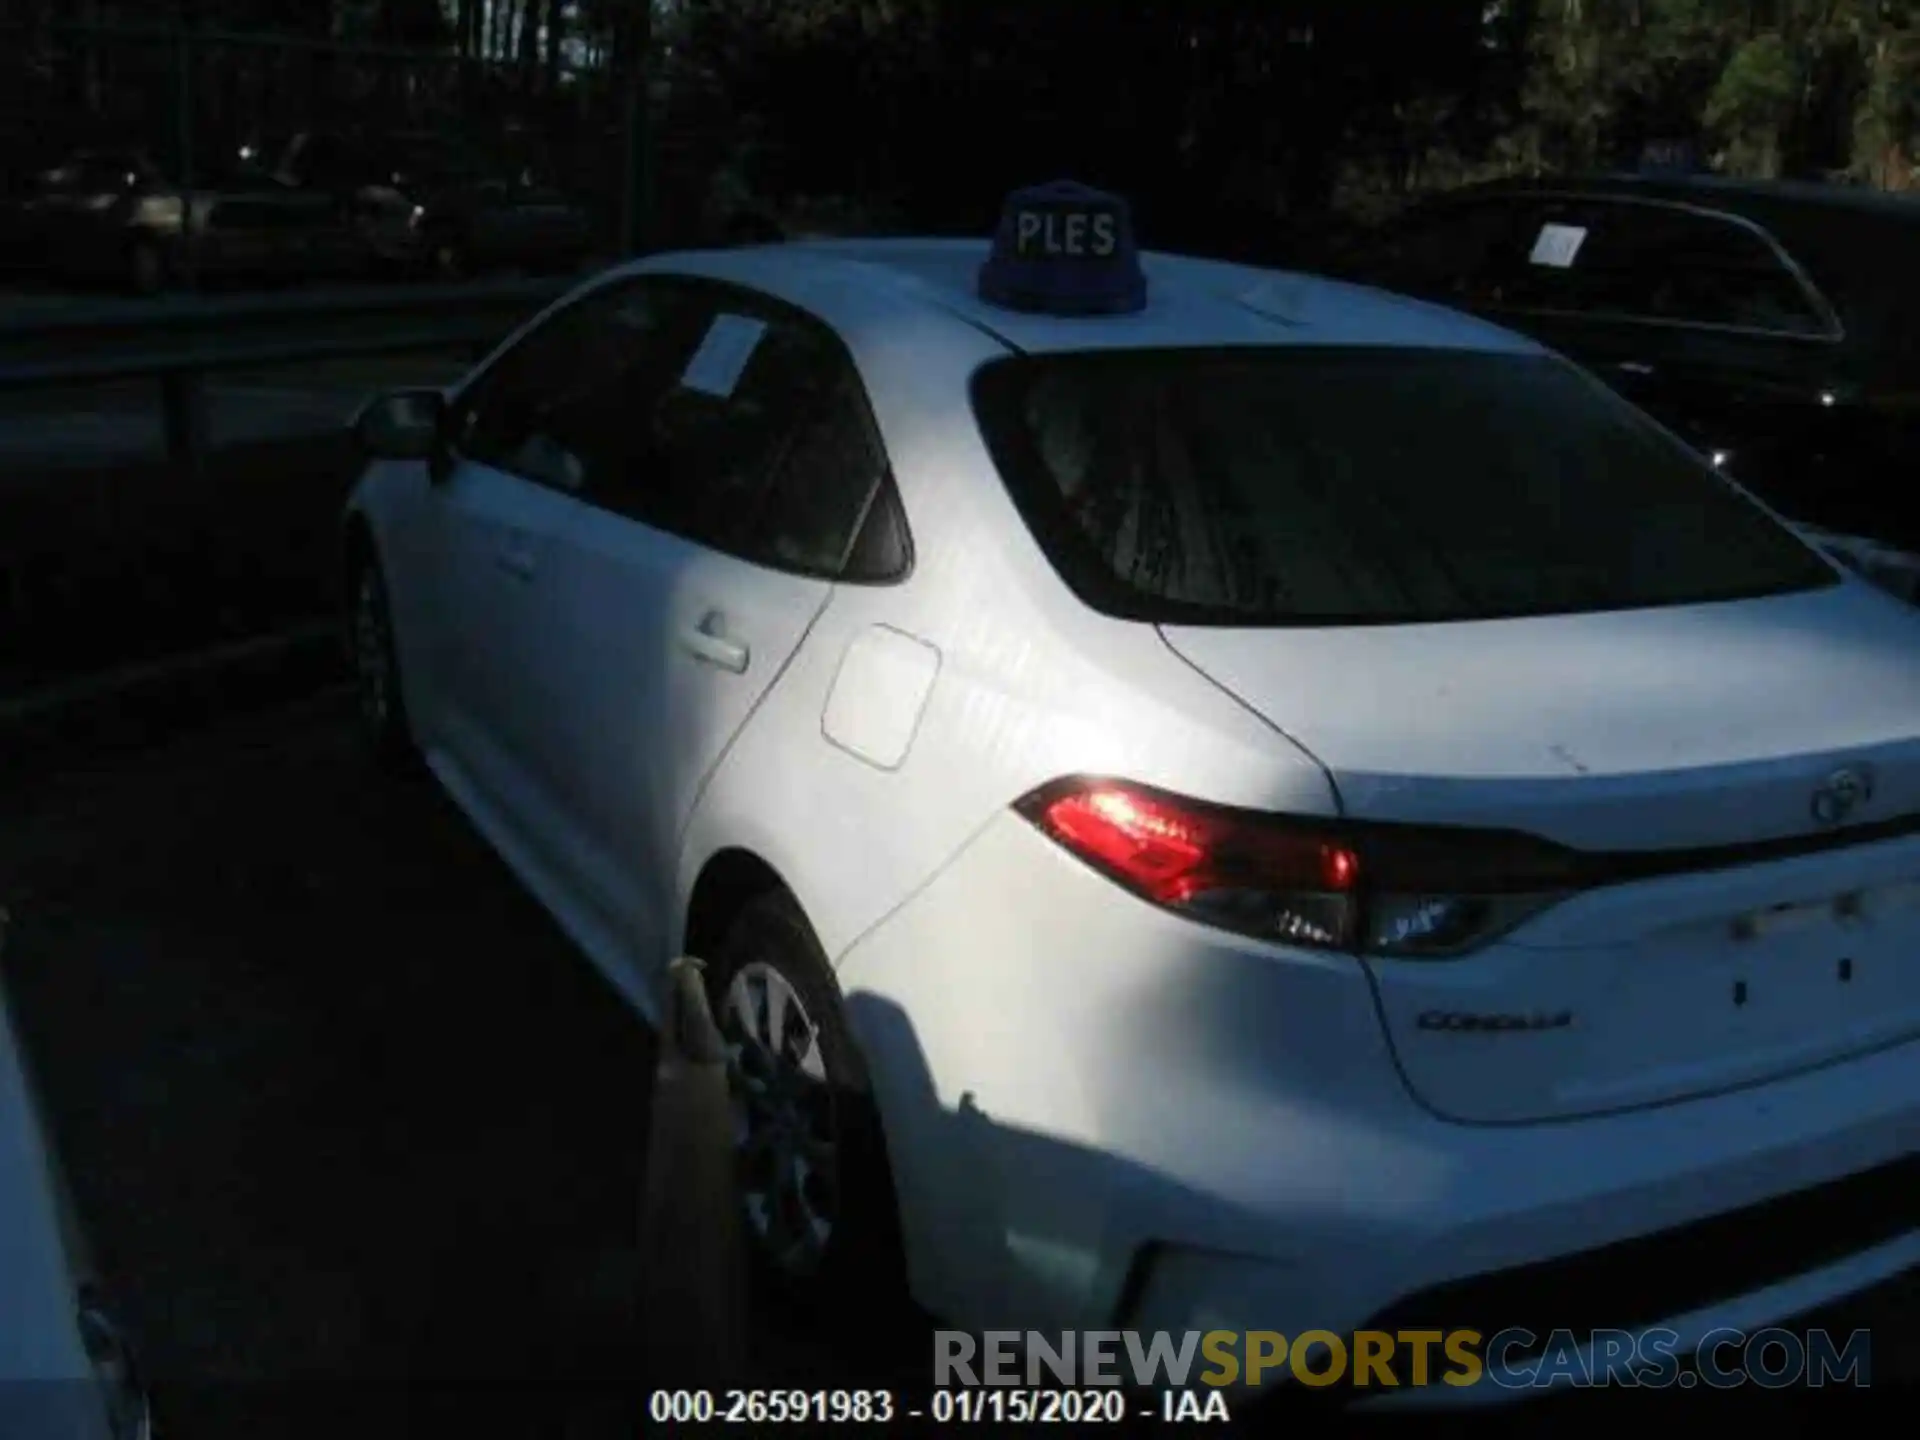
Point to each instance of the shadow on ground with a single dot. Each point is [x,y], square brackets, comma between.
[357,1135]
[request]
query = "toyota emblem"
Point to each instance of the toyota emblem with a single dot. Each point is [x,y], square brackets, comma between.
[1840,794]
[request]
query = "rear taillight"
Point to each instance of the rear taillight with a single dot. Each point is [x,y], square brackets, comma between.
[1397,890]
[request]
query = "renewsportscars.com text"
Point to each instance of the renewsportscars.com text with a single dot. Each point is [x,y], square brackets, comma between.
[1774,1358]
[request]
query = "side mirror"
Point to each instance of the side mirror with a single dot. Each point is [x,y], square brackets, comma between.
[401,425]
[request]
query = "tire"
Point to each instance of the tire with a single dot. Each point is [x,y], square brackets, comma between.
[858,1269]
[380,702]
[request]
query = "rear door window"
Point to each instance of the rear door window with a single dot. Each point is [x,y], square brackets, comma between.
[1365,486]
[702,411]
[566,406]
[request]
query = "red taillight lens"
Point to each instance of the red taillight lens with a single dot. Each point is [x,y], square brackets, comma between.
[1163,853]
[1242,872]
[1385,889]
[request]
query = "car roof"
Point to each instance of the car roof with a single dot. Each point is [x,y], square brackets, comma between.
[1190,302]
[1753,198]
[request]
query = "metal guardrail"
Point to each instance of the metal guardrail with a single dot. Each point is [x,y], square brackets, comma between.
[112,340]
[177,339]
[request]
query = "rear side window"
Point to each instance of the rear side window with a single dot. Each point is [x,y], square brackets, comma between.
[560,408]
[1365,486]
[827,473]
[780,463]
[1657,262]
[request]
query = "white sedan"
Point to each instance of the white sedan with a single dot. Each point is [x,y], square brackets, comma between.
[1211,798]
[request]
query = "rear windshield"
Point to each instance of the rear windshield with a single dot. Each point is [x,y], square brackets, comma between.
[1365,486]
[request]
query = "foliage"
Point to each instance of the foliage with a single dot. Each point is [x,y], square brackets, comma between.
[1221,117]
[1775,85]
[1754,101]
[1210,112]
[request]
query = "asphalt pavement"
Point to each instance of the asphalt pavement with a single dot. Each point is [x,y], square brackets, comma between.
[353,1127]
[357,1134]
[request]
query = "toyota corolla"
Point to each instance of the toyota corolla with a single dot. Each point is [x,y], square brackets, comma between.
[1209,798]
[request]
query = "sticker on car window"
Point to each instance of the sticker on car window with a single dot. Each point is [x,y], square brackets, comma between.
[722,358]
[1558,245]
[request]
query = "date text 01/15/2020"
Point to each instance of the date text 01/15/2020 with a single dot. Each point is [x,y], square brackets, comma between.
[1102,1405]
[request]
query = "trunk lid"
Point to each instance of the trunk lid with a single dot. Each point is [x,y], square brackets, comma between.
[1715,728]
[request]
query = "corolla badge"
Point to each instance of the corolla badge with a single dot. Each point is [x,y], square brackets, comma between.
[1842,793]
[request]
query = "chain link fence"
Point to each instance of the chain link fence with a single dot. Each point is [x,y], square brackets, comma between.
[645,164]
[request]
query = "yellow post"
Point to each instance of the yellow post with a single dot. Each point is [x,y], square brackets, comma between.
[693,1302]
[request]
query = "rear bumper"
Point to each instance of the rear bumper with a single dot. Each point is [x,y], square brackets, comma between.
[1101,1116]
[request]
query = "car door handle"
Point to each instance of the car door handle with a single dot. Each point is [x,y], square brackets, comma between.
[709,642]
[1633,367]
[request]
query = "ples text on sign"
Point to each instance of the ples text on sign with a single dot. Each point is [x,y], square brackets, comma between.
[1075,235]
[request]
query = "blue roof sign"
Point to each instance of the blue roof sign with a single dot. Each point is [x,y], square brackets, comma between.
[1065,249]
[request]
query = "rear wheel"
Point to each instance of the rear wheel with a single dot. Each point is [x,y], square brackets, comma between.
[818,1200]
[376,668]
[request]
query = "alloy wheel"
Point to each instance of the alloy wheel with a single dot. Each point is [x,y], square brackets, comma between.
[785,1133]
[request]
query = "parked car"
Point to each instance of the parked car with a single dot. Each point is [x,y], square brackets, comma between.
[1775,325]
[425,204]
[1207,796]
[52,206]
[66,1368]
[114,217]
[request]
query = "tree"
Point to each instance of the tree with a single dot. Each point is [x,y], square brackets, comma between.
[1782,85]
[1755,102]
[466,26]
[1211,113]
[1603,79]
[556,39]
[1886,119]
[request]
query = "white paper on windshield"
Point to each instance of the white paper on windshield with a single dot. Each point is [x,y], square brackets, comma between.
[1558,245]
[722,358]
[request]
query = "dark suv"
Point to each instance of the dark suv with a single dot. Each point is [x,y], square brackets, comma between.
[1774,325]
